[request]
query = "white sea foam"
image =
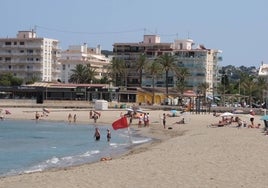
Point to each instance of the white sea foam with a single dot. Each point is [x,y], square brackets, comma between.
[54,160]
[140,141]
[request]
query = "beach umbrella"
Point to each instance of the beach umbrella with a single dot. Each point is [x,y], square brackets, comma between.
[226,114]
[46,110]
[264,117]
[238,111]
[173,111]
[129,109]
[139,111]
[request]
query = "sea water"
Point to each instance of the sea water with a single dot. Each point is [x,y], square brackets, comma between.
[30,146]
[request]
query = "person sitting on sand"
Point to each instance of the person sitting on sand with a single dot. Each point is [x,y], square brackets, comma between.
[180,122]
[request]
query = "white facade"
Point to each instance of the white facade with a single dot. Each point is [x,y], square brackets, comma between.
[183,44]
[81,54]
[29,57]
[151,39]
[263,71]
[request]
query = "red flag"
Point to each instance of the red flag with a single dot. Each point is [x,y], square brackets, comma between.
[120,123]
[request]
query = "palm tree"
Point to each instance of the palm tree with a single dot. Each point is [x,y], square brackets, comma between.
[249,84]
[82,74]
[154,69]
[167,61]
[203,88]
[181,74]
[261,88]
[141,62]
[90,74]
[116,70]
[78,74]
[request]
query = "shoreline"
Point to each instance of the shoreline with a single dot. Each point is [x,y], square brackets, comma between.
[188,155]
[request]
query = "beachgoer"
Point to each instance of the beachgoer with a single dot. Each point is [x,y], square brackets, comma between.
[95,117]
[148,119]
[70,118]
[252,113]
[180,122]
[97,134]
[130,119]
[37,116]
[140,120]
[1,116]
[108,135]
[90,114]
[75,118]
[145,119]
[164,120]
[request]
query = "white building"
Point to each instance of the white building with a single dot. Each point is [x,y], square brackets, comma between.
[81,54]
[263,71]
[201,62]
[30,57]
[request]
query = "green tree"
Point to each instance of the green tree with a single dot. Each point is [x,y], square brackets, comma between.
[203,88]
[249,84]
[82,74]
[8,79]
[181,73]
[33,80]
[141,62]
[116,71]
[154,69]
[167,61]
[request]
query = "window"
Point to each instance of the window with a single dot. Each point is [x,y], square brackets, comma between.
[30,51]
[21,43]
[8,59]
[8,43]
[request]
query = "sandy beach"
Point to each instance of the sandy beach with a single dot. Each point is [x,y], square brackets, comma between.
[188,155]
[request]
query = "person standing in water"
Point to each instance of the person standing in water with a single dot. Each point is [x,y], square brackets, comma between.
[97,134]
[108,135]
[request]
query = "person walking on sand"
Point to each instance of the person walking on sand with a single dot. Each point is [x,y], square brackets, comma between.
[95,117]
[90,114]
[97,134]
[164,120]
[75,118]
[140,120]
[70,118]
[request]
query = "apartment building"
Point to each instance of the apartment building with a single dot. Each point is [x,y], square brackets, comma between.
[30,57]
[202,63]
[82,54]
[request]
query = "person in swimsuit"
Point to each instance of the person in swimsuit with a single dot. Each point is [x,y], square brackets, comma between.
[97,134]
[108,135]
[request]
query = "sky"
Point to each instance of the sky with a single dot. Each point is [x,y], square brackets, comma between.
[236,27]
